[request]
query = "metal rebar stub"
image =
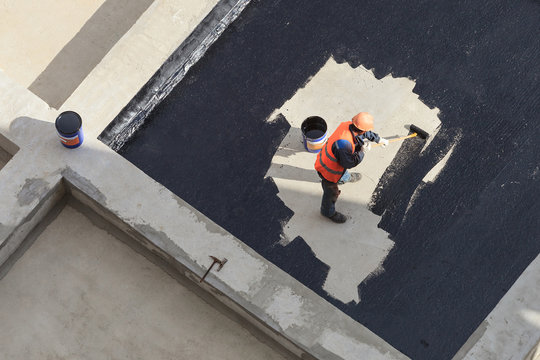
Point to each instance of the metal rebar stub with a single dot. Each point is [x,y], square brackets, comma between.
[215,260]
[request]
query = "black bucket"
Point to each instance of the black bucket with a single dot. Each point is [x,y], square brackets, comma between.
[315,133]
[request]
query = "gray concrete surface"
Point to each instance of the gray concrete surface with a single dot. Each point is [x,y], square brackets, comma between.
[79,292]
[4,158]
[7,150]
[336,93]
[33,32]
[86,49]
[534,354]
[512,329]
[33,181]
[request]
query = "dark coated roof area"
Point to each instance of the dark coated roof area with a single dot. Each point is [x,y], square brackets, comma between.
[468,236]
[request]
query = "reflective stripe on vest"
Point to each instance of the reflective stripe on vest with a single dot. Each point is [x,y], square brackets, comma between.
[331,158]
[326,162]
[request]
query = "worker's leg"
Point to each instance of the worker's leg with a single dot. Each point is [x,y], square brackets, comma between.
[328,203]
[330,196]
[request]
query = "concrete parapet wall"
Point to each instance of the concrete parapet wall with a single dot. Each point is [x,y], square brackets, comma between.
[41,175]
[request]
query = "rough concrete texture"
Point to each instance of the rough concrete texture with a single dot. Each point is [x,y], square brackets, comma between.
[534,354]
[86,49]
[4,158]
[124,70]
[34,32]
[337,93]
[284,305]
[466,237]
[172,225]
[512,329]
[80,292]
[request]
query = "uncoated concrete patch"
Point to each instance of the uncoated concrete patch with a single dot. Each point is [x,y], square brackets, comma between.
[348,348]
[4,158]
[31,191]
[354,250]
[84,294]
[286,308]
[513,327]
[84,185]
[534,354]
[86,49]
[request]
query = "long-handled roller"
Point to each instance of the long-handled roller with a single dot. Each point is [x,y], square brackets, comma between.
[416,131]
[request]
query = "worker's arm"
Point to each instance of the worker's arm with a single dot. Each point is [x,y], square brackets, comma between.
[345,154]
[369,135]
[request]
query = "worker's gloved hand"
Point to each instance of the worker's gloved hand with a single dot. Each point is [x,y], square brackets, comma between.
[366,147]
[383,142]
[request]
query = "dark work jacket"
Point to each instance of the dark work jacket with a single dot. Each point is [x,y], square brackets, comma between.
[348,157]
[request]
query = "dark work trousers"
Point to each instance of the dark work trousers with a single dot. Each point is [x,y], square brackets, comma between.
[330,196]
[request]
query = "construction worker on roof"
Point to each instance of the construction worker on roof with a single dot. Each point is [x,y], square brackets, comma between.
[344,150]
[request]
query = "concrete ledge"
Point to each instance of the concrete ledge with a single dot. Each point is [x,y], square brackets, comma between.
[297,319]
[86,49]
[54,294]
[7,150]
[42,171]
[185,273]
[171,72]
[70,190]
[16,241]
[8,145]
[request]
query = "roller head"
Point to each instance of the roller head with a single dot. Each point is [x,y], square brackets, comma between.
[421,133]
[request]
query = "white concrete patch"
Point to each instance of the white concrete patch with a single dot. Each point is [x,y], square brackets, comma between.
[124,69]
[534,354]
[286,308]
[348,348]
[137,200]
[242,272]
[33,32]
[83,294]
[513,327]
[436,170]
[430,177]
[356,249]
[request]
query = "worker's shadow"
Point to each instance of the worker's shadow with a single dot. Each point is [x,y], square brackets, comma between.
[292,161]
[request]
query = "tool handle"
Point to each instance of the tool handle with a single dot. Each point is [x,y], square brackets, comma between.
[398,139]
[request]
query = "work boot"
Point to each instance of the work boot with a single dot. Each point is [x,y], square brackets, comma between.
[355,177]
[338,218]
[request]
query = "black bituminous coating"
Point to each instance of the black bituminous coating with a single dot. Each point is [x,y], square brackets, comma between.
[467,236]
[420,132]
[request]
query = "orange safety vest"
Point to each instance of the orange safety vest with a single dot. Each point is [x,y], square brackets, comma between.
[326,163]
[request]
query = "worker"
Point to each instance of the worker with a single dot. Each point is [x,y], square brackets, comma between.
[344,150]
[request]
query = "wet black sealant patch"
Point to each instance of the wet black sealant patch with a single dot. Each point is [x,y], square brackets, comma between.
[467,236]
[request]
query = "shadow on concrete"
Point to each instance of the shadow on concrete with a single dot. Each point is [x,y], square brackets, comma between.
[292,145]
[284,171]
[31,130]
[89,46]
[4,158]
[7,150]
[466,237]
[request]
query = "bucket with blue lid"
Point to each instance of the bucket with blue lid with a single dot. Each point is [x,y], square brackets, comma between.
[69,128]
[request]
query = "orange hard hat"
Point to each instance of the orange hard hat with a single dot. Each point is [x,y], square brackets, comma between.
[363,121]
